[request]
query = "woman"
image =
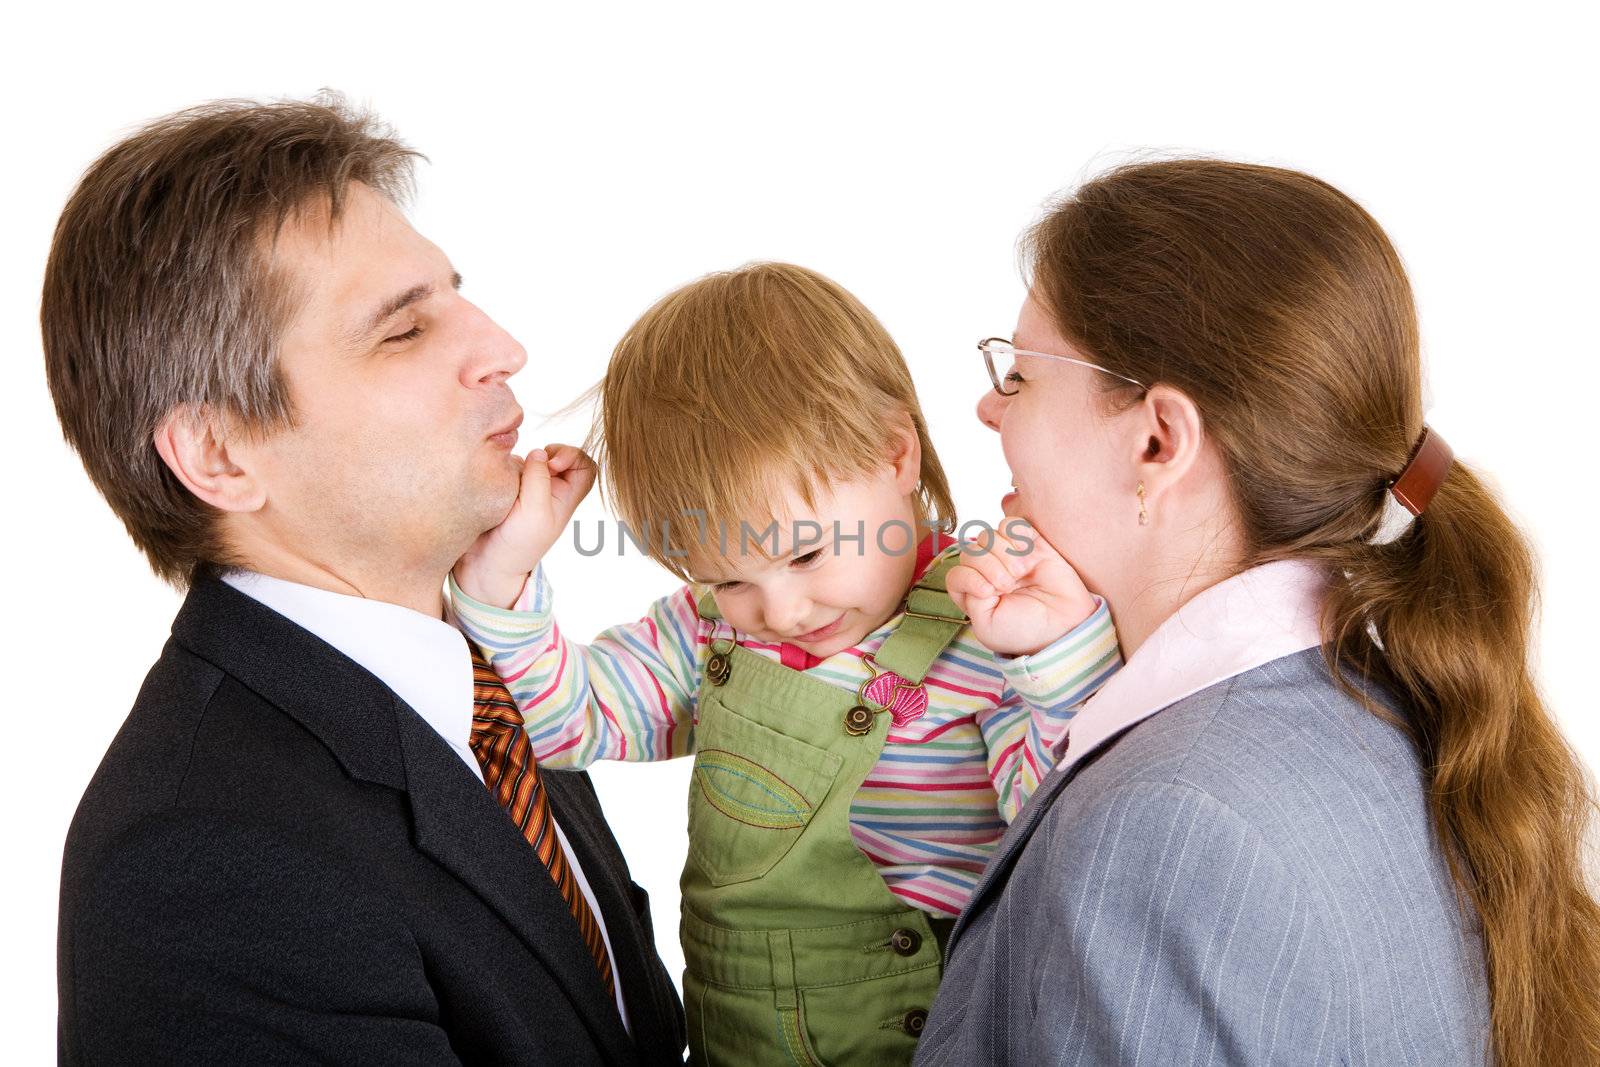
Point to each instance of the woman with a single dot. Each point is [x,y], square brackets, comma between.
[1321,815]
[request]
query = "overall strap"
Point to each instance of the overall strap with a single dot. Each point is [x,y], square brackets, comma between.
[707,605]
[931,622]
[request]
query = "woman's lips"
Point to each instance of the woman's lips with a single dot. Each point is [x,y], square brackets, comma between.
[822,633]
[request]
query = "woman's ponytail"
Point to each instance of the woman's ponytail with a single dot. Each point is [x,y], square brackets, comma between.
[1443,616]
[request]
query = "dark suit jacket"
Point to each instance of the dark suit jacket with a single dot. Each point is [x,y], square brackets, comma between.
[280,861]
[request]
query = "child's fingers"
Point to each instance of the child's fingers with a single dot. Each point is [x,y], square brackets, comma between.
[567,457]
[572,474]
[1025,554]
[967,581]
[535,484]
[1051,577]
[969,590]
[1026,541]
[582,480]
[990,560]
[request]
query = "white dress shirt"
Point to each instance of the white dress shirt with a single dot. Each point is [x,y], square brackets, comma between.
[425,661]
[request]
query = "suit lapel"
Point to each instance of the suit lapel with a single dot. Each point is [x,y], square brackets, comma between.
[460,826]
[645,985]
[376,737]
[1017,835]
[337,700]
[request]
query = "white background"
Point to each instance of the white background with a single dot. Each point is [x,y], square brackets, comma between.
[583,162]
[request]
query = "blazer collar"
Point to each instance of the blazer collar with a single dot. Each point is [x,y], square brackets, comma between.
[376,737]
[1260,615]
[459,825]
[340,702]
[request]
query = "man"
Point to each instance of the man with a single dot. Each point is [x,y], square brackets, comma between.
[289,852]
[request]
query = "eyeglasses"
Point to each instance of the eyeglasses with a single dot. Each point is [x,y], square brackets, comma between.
[998,348]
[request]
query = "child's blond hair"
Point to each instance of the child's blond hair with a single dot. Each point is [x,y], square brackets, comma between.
[739,387]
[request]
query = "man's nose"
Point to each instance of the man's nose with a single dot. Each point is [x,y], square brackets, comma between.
[990,407]
[494,354]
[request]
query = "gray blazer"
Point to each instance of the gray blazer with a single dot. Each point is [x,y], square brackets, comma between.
[1249,876]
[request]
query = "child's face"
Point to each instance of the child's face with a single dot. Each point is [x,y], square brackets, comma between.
[820,592]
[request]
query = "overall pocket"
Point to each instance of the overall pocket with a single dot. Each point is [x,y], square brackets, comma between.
[751,796]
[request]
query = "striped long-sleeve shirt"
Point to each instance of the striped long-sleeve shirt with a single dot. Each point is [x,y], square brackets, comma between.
[929,813]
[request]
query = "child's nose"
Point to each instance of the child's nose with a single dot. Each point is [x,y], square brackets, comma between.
[785,614]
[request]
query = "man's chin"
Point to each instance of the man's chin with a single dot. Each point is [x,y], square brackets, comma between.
[488,493]
[496,471]
[490,509]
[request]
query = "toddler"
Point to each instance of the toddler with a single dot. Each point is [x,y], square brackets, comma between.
[868,703]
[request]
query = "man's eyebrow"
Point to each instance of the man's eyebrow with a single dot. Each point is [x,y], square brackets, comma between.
[398,302]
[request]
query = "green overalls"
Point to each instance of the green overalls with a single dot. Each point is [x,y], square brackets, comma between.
[796,951]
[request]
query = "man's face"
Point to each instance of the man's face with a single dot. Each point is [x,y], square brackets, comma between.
[402,452]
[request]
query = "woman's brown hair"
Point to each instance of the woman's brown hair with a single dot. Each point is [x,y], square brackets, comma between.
[1278,305]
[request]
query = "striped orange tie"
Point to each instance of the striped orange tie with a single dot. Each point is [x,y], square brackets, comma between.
[509,770]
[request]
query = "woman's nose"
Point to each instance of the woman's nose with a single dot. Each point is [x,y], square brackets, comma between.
[990,405]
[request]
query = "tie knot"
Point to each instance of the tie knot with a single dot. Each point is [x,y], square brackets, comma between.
[492,707]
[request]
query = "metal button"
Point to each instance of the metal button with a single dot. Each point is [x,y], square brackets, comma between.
[718,667]
[857,721]
[905,942]
[914,1021]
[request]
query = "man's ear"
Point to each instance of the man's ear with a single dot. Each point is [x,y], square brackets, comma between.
[905,457]
[194,444]
[1170,437]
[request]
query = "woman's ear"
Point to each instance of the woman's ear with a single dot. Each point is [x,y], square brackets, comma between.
[905,459]
[1171,435]
[195,445]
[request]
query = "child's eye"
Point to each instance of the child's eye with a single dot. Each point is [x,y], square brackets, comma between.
[807,559]
[409,335]
[728,587]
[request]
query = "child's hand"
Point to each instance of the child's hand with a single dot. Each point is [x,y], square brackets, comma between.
[1019,601]
[554,482]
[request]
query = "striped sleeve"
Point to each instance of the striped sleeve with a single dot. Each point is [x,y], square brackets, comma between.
[627,695]
[1041,695]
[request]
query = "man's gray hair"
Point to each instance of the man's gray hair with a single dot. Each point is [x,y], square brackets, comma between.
[159,293]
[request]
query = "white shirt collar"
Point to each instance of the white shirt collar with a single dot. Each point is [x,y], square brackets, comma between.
[425,661]
[1266,613]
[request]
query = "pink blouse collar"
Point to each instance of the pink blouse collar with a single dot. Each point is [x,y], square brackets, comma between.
[1266,613]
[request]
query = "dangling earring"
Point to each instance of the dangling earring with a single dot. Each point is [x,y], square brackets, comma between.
[1144,516]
